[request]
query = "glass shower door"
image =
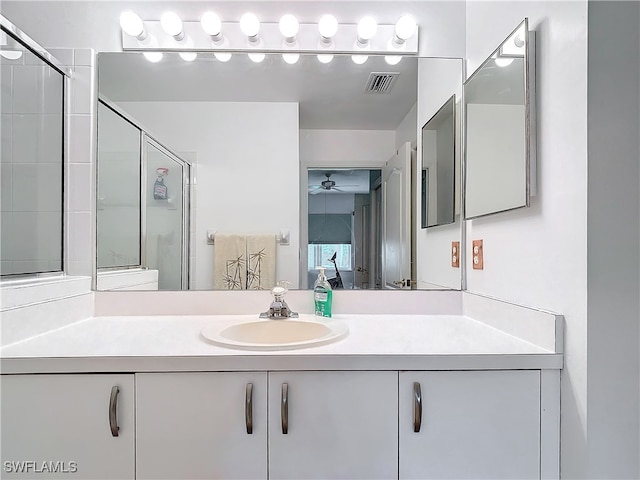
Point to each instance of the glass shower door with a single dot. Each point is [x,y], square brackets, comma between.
[166,216]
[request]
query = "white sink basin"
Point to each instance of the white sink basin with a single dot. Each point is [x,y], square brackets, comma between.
[276,334]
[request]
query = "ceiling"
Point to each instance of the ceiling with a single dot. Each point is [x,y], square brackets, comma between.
[331,96]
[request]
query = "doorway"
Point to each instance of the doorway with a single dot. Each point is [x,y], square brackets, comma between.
[342,228]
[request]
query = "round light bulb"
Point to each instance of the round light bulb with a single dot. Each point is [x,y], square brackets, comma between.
[131,24]
[503,61]
[405,27]
[359,59]
[325,58]
[392,59]
[289,26]
[211,24]
[153,57]
[222,56]
[11,54]
[367,28]
[328,26]
[249,24]
[291,58]
[519,38]
[188,56]
[256,57]
[171,24]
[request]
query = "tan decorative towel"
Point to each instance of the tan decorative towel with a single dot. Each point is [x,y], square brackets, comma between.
[230,266]
[261,258]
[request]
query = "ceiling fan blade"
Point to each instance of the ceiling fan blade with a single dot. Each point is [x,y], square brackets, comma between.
[316,191]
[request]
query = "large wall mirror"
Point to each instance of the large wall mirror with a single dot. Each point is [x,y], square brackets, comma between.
[500,128]
[293,157]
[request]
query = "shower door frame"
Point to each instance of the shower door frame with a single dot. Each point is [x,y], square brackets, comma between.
[186,207]
[148,138]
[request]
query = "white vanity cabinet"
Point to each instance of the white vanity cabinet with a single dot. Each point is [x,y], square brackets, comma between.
[333,424]
[469,424]
[201,425]
[209,425]
[68,426]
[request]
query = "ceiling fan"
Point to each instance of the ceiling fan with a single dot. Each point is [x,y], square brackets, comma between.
[327,185]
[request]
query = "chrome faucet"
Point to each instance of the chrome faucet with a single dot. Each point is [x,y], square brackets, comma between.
[279,309]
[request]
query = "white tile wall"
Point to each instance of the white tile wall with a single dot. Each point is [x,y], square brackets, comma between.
[63,55]
[80,142]
[79,225]
[80,164]
[36,187]
[6,138]
[6,193]
[81,91]
[26,90]
[79,185]
[6,77]
[84,56]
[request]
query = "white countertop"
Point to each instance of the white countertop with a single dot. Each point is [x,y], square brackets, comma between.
[173,343]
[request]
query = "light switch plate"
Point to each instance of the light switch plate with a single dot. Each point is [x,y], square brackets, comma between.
[455,254]
[477,255]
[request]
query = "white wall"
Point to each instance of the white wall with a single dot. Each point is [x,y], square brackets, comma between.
[438,79]
[613,237]
[407,131]
[537,256]
[347,148]
[227,139]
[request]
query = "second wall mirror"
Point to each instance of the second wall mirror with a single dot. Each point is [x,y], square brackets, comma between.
[499,128]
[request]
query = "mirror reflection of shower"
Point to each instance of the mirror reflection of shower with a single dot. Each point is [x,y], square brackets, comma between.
[342,228]
[143,208]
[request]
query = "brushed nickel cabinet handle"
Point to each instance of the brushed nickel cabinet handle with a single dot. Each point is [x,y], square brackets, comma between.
[284,408]
[417,407]
[113,411]
[248,408]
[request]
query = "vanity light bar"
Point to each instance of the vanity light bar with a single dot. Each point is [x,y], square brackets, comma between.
[307,40]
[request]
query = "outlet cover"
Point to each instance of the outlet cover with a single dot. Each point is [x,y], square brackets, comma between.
[477,255]
[455,254]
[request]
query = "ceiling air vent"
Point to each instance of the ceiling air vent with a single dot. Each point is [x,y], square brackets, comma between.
[381,82]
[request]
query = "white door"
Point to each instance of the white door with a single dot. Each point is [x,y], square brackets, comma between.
[471,425]
[337,424]
[396,220]
[201,425]
[67,426]
[362,237]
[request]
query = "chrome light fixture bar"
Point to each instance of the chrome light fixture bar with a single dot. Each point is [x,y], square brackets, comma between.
[271,40]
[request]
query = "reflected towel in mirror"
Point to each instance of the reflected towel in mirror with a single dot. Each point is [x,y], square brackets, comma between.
[261,258]
[230,268]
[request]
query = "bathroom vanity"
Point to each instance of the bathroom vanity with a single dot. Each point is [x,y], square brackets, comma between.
[402,396]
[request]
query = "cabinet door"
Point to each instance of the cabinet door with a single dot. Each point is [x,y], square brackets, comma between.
[338,425]
[474,425]
[64,426]
[195,425]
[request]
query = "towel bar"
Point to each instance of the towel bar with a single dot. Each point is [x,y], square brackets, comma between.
[282,238]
